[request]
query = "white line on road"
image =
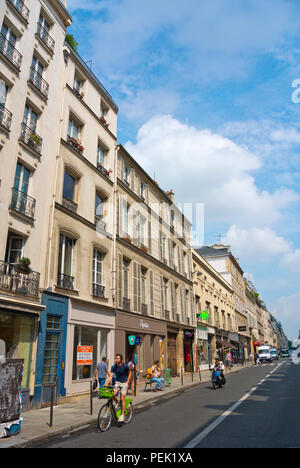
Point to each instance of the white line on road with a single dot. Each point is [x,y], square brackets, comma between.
[196,440]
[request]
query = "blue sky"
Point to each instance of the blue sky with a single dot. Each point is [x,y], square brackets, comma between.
[208,84]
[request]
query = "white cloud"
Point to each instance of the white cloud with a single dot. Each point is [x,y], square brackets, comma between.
[291,261]
[254,243]
[201,166]
[287,310]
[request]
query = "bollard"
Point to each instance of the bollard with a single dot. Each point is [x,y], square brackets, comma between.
[91,397]
[200,374]
[51,405]
[181,376]
[192,375]
[134,381]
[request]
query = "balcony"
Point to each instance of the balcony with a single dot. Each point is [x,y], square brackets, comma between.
[45,36]
[126,304]
[38,82]
[75,143]
[103,171]
[10,52]
[65,281]
[144,309]
[16,281]
[30,138]
[100,225]
[21,8]
[70,205]
[22,203]
[5,117]
[98,290]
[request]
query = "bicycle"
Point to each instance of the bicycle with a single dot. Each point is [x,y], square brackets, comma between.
[108,412]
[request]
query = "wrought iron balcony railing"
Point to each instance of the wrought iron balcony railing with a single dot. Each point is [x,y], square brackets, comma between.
[167,315]
[38,81]
[22,203]
[32,139]
[126,304]
[65,281]
[5,117]
[98,290]
[45,36]
[144,309]
[21,8]
[10,52]
[17,281]
[69,204]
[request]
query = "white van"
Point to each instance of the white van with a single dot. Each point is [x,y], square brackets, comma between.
[264,353]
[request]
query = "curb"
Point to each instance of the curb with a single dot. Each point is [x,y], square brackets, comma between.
[24,443]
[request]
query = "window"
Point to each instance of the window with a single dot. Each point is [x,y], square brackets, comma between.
[69,186]
[77,85]
[165,294]
[142,231]
[101,154]
[65,257]
[9,36]
[124,208]
[14,249]
[98,288]
[22,176]
[143,190]
[30,118]
[37,66]
[143,285]
[103,110]
[3,93]
[99,206]
[85,336]
[73,129]
[126,174]
[125,277]
[45,26]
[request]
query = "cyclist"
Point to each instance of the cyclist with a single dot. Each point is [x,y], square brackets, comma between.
[123,375]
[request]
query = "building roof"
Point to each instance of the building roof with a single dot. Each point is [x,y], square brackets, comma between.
[207,251]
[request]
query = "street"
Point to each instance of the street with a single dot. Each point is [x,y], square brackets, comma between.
[258,407]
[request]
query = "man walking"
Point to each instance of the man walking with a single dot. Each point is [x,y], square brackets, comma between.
[102,372]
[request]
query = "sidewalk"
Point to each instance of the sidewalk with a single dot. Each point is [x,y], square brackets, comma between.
[71,417]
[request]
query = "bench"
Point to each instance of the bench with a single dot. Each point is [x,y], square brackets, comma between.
[148,383]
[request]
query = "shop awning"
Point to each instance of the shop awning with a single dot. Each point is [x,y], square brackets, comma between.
[226,344]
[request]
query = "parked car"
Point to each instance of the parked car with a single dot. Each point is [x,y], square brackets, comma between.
[274,354]
[284,353]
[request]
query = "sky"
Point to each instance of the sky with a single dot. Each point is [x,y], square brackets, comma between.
[209,105]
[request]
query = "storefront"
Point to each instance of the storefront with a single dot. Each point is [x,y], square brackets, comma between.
[202,348]
[17,330]
[90,337]
[142,339]
[211,344]
[188,341]
[235,342]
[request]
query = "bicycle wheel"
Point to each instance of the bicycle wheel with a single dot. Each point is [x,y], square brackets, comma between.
[128,416]
[104,418]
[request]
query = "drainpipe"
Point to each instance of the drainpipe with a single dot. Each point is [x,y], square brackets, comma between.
[47,279]
[115,204]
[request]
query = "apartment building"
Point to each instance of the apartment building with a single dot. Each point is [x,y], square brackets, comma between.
[251,305]
[31,75]
[79,260]
[215,312]
[153,272]
[222,260]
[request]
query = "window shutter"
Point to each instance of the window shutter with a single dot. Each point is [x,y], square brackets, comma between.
[134,283]
[172,301]
[151,294]
[149,238]
[132,179]
[138,287]
[120,280]
[171,263]
[162,296]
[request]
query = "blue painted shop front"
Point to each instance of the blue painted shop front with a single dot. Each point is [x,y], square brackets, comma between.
[51,349]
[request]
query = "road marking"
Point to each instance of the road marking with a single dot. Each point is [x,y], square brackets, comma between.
[196,440]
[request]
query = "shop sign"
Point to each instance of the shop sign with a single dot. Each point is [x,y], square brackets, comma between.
[211,331]
[138,340]
[202,334]
[189,334]
[131,340]
[84,355]
[233,337]
[144,324]
[242,329]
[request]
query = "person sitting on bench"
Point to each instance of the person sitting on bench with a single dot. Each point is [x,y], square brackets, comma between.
[155,377]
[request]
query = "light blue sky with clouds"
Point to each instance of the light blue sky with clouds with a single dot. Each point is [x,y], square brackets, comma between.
[205,96]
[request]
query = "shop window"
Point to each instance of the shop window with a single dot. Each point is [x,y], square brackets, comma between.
[85,336]
[17,331]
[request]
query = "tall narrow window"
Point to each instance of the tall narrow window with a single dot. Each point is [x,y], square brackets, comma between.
[69,186]
[98,287]
[21,179]
[101,154]
[14,249]
[99,206]
[73,129]
[30,118]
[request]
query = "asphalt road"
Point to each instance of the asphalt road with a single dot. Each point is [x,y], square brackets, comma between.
[206,418]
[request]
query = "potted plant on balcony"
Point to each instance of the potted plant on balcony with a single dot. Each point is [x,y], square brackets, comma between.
[24,265]
[127,237]
[34,140]
[144,248]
